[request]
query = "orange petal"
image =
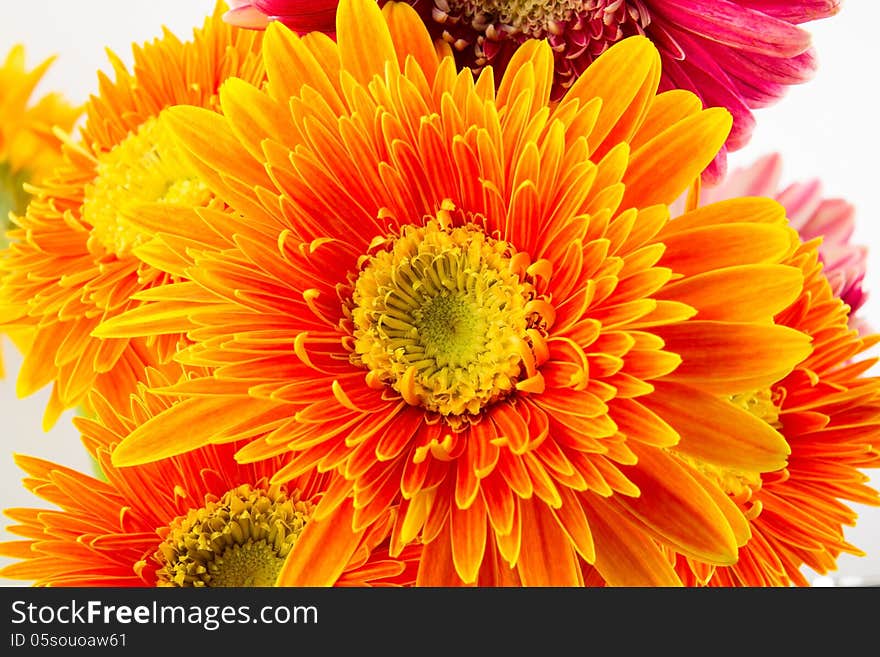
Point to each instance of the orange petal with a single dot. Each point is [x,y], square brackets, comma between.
[680,152]
[730,358]
[625,555]
[750,209]
[411,38]
[468,535]
[638,421]
[667,109]
[625,77]
[720,432]
[189,424]
[707,248]
[675,506]
[546,557]
[322,551]
[436,567]
[365,43]
[742,293]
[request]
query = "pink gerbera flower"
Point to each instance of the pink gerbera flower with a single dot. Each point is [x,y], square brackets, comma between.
[832,219]
[738,54]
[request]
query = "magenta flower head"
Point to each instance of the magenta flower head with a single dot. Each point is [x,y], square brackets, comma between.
[813,215]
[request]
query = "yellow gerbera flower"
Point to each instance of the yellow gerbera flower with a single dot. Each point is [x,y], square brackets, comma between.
[28,147]
[199,519]
[464,300]
[81,251]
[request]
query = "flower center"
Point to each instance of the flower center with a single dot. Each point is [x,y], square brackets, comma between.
[240,540]
[537,19]
[445,318]
[146,167]
[533,18]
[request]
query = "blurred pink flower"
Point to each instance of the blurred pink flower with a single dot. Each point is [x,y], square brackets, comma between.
[832,219]
[299,15]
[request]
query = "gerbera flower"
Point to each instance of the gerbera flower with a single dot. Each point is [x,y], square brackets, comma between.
[813,215]
[829,412]
[81,251]
[737,54]
[199,519]
[465,300]
[28,147]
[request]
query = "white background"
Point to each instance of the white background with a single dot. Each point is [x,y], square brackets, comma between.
[827,128]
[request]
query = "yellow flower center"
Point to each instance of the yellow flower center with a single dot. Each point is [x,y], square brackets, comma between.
[443,316]
[240,540]
[146,167]
[760,404]
[533,18]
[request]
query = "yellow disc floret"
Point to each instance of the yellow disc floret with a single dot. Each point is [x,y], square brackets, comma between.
[533,18]
[442,316]
[146,167]
[240,540]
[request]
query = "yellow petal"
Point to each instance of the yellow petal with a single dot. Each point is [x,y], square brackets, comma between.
[365,44]
[663,168]
[625,77]
[254,116]
[211,147]
[742,293]
[730,358]
[294,62]
[720,432]
[189,424]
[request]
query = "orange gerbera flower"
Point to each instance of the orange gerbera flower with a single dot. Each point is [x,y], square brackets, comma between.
[80,251]
[467,300]
[199,519]
[829,412]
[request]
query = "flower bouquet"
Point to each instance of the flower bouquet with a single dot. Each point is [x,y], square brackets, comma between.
[437,293]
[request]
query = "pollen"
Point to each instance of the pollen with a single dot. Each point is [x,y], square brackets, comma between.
[761,404]
[443,316]
[239,540]
[146,167]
